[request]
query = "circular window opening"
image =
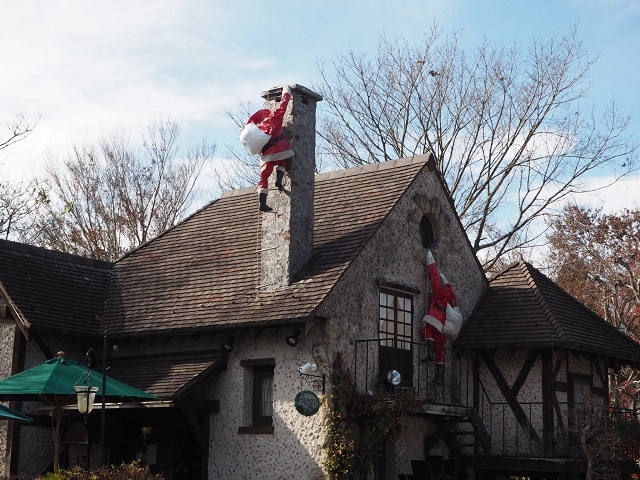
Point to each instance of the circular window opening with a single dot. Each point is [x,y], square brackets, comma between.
[426,232]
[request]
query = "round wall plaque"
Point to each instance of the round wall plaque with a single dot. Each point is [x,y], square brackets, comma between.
[307,403]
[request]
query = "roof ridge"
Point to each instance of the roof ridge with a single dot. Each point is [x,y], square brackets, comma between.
[54,254]
[539,295]
[372,167]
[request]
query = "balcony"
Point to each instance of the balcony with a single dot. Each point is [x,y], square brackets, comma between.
[372,361]
[469,420]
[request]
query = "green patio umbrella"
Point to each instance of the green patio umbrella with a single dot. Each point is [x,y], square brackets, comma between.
[54,382]
[7,413]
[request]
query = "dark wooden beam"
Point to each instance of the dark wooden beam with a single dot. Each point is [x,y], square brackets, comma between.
[599,372]
[201,436]
[209,406]
[481,431]
[524,371]
[548,395]
[557,367]
[443,428]
[513,403]
[519,465]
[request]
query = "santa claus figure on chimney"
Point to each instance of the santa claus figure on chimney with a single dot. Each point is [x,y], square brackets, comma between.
[263,135]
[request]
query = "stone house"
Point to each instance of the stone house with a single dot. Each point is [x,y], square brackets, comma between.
[216,316]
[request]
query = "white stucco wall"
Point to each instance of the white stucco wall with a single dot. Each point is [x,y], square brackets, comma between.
[294,450]
[394,255]
[7,337]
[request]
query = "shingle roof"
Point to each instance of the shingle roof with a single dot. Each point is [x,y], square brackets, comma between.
[203,273]
[53,291]
[169,377]
[524,308]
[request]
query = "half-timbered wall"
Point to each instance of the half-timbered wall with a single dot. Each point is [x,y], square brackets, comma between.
[511,401]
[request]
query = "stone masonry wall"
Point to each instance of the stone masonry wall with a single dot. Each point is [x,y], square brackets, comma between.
[396,255]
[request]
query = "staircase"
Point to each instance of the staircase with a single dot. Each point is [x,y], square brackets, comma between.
[462,430]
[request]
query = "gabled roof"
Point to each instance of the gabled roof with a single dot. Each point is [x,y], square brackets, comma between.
[53,291]
[170,377]
[524,308]
[204,273]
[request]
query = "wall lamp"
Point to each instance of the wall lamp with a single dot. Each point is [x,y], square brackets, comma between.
[316,381]
[227,345]
[292,340]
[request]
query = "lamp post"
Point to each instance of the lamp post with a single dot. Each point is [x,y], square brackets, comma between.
[103,417]
[86,395]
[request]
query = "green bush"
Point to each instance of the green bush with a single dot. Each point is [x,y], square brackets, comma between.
[125,471]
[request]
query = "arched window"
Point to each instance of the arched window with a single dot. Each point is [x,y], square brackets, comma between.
[426,232]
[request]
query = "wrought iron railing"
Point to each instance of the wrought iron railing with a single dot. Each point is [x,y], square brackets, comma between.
[418,376]
[514,431]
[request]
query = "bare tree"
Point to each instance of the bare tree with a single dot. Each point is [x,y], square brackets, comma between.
[110,198]
[18,199]
[18,128]
[508,126]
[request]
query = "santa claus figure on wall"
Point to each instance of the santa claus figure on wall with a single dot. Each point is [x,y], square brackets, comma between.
[433,322]
[263,135]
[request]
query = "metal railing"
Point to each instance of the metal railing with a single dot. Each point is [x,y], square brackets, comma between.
[418,376]
[514,431]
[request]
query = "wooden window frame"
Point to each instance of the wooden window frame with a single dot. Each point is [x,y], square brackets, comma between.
[260,369]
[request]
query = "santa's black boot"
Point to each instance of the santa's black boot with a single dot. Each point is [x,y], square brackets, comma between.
[439,380]
[431,352]
[263,203]
[279,178]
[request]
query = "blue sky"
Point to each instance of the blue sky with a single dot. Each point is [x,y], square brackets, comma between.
[89,68]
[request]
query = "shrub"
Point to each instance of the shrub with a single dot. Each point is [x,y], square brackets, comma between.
[126,471]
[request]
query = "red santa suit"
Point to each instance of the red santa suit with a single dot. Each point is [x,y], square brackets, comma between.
[441,294]
[277,150]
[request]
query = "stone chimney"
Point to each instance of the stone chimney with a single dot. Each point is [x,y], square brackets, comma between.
[287,231]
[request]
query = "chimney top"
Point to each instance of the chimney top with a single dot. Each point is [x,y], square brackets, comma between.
[274,93]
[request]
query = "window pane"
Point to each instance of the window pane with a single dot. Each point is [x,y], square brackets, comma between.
[383,299]
[266,400]
[395,319]
[262,399]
